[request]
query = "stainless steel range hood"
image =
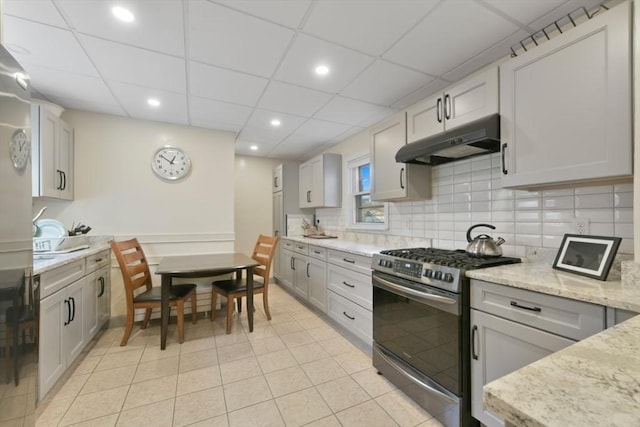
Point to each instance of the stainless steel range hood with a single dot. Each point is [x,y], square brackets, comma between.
[476,138]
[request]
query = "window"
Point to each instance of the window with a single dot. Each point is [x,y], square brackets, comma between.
[364,213]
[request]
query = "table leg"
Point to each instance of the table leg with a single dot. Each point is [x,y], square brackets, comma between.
[250,297]
[164,309]
[15,349]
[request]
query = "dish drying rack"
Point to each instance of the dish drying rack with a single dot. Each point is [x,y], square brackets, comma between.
[559,26]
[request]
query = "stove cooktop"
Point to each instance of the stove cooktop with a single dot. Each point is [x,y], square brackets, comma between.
[442,268]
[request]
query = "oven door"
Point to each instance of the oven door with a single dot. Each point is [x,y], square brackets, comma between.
[421,326]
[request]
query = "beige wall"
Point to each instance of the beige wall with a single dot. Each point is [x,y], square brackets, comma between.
[253,201]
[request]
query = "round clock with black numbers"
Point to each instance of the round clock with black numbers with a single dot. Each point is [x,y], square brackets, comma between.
[170,163]
[19,149]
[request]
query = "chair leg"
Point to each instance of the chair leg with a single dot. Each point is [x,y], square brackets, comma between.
[214,302]
[194,308]
[229,313]
[147,317]
[128,328]
[180,315]
[239,304]
[7,352]
[265,302]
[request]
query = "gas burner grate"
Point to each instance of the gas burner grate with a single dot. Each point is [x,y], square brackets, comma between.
[446,257]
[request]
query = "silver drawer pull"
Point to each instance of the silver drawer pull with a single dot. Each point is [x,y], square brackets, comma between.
[347,316]
[346,284]
[350,261]
[536,309]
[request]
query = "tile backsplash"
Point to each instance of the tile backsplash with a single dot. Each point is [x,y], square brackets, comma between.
[469,192]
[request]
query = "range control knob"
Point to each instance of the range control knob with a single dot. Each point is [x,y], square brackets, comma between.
[437,275]
[448,277]
[428,273]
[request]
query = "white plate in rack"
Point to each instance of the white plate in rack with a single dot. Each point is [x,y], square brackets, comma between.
[50,228]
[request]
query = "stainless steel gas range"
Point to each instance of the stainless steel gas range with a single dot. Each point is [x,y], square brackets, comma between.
[421,326]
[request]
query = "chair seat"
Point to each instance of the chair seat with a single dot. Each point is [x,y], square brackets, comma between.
[155,293]
[24,315]
[232,286]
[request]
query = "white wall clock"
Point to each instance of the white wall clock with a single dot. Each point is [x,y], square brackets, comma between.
[19,149]
[170,163]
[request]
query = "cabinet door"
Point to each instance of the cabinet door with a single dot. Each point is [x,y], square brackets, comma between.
[301,280]
[64,155]
[317,272]
[51,364]
[566,106]
[103,289]
[499,347]
[74,336]
[472,99]
[317,183]
[287,267]
[306,184]
[425,119]
[388,176]
[50,176]
[90,305]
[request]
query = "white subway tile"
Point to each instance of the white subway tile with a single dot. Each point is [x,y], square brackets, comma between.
[532,203]
[529,216]
[445,180]
[502,194]
[462,207]
[444,199]
[461,197]
[481,175]
[462,226]
[483,185]
[528,228]
[623,215]
[462,166]
[623,200]
[601,229]
[557,228]
[623,229]
[623,188]
[502,205]
[481,216]
[560,215]
[551,241]
[480,163]
[480,206]
[462,216]
[496,172]
[461,177]
[481,196]
[504,227]
[600,189]
[446,225]
[529,239]
[503,215]
[558,192]
[443,170]
[462,187]
[522,194]
[603,200]
[558,202]
[626,246]
[445,235]
[595,215]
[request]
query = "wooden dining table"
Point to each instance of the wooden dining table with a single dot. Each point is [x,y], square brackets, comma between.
[206,265]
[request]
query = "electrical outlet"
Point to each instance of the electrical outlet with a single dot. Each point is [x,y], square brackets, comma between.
[581,225]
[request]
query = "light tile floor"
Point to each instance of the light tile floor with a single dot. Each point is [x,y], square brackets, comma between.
[295,370]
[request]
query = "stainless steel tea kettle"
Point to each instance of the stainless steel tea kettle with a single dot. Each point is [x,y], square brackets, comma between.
[483,245]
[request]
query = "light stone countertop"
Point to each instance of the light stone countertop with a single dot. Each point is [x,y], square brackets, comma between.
[349,246]
[44,263]
[595,382]
[541,277]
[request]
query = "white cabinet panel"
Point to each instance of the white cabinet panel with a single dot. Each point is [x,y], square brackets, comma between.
[317,275]
[566,106]
[321,182]
[351,316]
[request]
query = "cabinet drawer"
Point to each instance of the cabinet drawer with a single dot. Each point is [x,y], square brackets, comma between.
[569,318]
[353,262]
[351,316]
[54,280]
[287,244]
[318,252]
[351,285]
[96,261]
[301,248]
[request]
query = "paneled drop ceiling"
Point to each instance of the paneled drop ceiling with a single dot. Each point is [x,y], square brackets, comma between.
[236,65]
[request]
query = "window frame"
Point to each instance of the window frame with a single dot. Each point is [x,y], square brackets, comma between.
[352,167]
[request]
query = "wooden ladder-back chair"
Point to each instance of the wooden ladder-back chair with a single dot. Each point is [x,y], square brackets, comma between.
[136,274]
[236,289]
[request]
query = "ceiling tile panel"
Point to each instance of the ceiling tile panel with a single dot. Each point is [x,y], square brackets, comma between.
[224,37]
[451,34]
[524,11]
[172,109]
[285,12]
[136,66]
[308,52]
[371,28]
[42,11]
[425,91]
[83,104]
[211,114]
[288,123]
[384,83]
[292,99]
[224,85]
[158,24]
[349,111]
[261,136]
[319,130]
[47,46]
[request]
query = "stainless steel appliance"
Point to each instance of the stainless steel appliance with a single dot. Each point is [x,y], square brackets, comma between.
[19,289]
[421,326]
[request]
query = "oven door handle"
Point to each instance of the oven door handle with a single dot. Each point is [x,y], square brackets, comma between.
[441,393]
[392,287]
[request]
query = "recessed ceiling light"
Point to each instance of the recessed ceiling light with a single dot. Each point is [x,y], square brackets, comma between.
[275,122]
[254,148]
[153,102]
[322,70]
[122,14]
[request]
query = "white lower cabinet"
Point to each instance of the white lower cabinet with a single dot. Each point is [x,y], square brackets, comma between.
[75,305]
[62,337]
[301,281]
[287,272]
[512,328]
[317,276]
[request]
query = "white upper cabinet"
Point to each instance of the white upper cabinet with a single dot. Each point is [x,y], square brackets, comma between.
[321,182]
[471,99]
[566,106]
[52,155]
[276,182]
[391,180]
